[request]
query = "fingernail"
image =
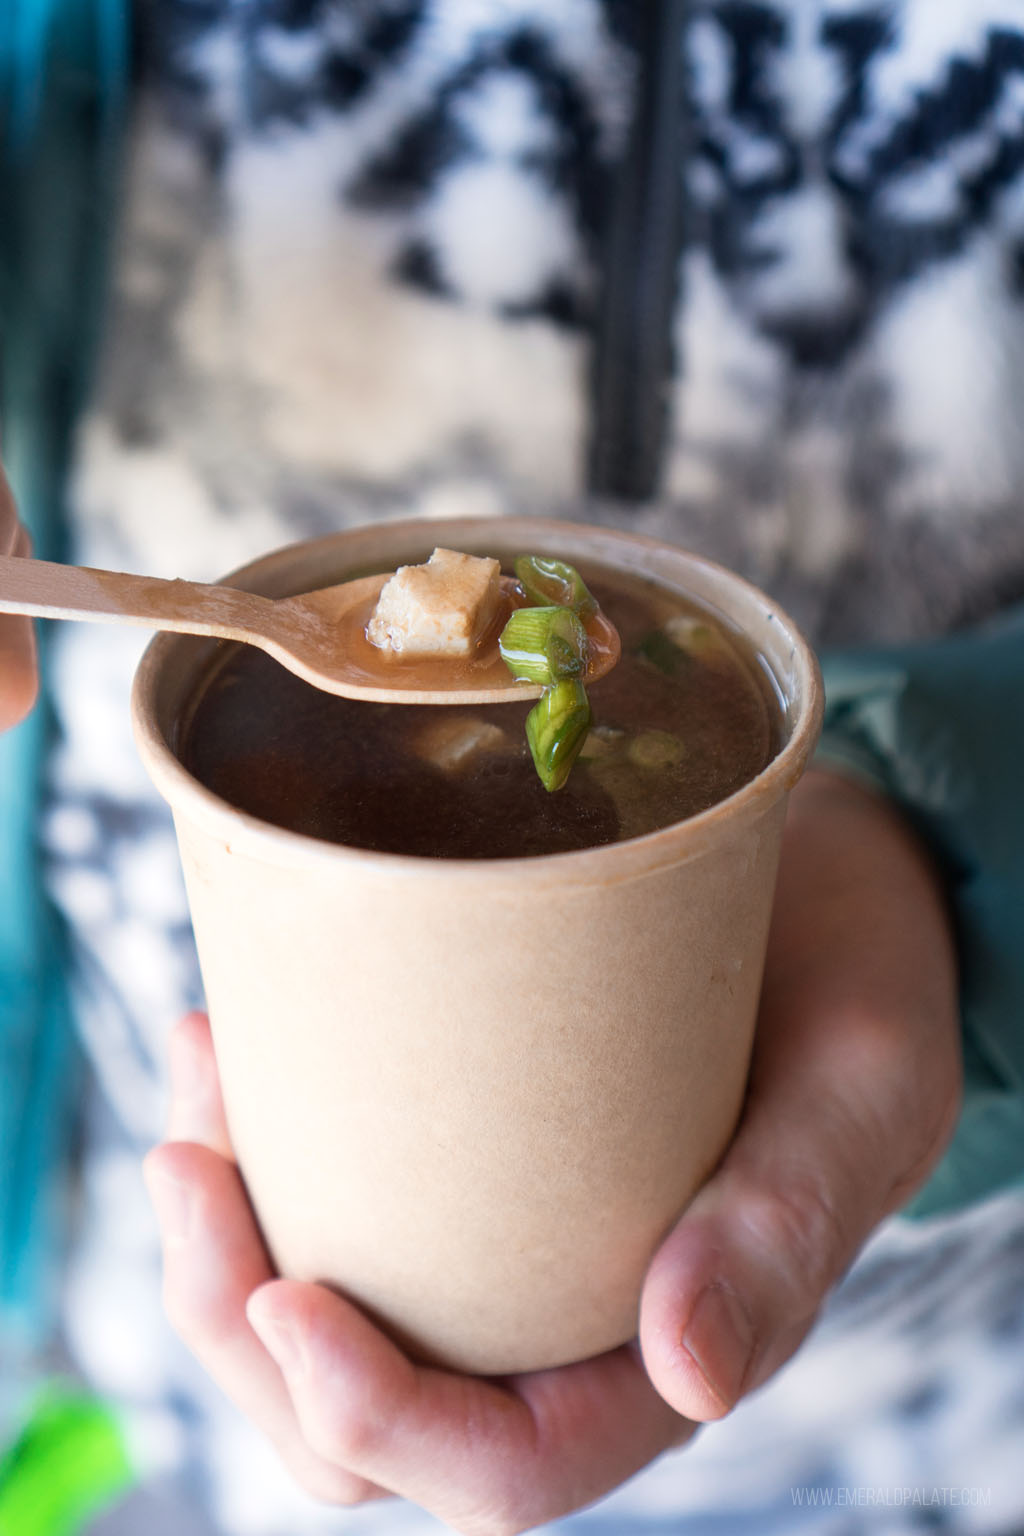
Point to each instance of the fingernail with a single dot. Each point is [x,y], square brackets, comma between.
[175,1205]
[279,1338]
[720,1338]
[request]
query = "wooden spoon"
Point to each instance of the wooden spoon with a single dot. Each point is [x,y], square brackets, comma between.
[318,635]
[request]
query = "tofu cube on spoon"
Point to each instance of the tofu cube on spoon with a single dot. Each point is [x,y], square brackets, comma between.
[439,609]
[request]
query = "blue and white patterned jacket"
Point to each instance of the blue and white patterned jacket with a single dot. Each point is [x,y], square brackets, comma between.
[746,274]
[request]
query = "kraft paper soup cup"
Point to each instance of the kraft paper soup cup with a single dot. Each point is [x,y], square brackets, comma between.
[425,1116]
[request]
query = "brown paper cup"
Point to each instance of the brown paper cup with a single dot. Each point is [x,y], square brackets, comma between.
[426,1118]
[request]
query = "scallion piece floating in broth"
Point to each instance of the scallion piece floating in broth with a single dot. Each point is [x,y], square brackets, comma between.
[544,645]
[556,729]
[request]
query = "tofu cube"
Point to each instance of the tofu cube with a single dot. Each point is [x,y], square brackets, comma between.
[455,742]
[438,609]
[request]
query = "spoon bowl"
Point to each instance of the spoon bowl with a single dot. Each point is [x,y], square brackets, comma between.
[319,635]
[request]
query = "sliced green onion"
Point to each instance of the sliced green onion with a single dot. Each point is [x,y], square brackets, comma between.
[684,638]
[655,749]
[662,652]
[552,581]
[544,645]
[547,644]
[556,729]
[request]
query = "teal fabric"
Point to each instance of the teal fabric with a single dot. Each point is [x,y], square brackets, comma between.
[940,728]
[63,65]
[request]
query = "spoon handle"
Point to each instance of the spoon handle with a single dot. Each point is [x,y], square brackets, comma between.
[49,591]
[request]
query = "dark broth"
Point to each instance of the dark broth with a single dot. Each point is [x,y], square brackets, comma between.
[686,718]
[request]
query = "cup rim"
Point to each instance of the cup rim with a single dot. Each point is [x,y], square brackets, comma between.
[677,842]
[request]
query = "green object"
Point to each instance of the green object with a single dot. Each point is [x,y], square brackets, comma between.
[68,1463]
[659,650]
[939,728]
[552,581]
[556,729]
[544,645]
[655,749]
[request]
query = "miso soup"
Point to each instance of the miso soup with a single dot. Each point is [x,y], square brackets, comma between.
[687,717]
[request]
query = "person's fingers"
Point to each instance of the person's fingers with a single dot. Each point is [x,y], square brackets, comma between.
[19,678]
[196,1110]
[737,1285]
[361,1420]
[853,1093]
[214,1258]
[483,1456]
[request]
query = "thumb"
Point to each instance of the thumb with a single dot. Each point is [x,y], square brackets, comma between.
[854,1091]
[737,1284]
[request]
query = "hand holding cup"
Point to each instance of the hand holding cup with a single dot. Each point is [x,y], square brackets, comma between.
[854,1091]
